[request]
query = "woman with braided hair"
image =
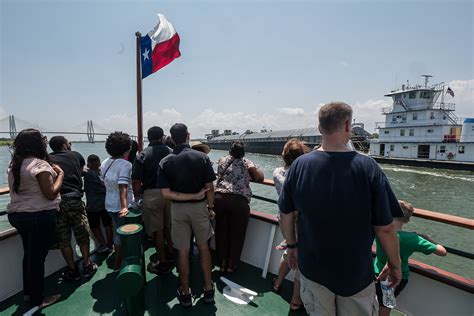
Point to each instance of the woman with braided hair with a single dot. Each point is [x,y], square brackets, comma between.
[34,200]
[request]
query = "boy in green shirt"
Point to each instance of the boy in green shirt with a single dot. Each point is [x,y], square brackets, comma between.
[409,243]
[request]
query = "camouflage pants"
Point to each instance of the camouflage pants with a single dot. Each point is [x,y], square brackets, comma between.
[71,216]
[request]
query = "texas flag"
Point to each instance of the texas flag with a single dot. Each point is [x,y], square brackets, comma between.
[159,47]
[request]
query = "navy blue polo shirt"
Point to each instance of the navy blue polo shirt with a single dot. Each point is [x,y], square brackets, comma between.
[145,166]
[339,196]
[186,170]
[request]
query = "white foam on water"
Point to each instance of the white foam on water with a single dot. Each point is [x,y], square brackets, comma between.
[430,173]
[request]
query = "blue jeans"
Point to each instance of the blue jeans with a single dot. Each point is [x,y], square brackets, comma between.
[117,222]
[36,230]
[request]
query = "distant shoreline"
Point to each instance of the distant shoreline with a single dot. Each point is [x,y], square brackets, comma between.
[6,142]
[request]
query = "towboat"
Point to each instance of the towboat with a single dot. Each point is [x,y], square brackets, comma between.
[421,129]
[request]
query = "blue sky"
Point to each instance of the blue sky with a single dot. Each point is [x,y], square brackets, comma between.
[244,65]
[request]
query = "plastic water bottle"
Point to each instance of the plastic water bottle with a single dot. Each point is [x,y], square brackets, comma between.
[388,292]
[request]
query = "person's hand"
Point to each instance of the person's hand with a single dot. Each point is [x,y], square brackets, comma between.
[123,212]
[394,275]
[292,258]
[57,169]
[212,214]
[201,194]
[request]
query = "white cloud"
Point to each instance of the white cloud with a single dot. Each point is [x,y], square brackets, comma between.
[283,118]
[367,112]
[463,97]
[127,123]
[291,111]
[344,63]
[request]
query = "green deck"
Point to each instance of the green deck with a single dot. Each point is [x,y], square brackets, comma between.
[98,296]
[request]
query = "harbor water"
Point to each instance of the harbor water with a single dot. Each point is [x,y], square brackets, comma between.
[444,191]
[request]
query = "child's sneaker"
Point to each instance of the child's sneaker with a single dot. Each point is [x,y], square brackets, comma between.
[159,268]
[185,300]
[209,296]
[90,270]
[71,275]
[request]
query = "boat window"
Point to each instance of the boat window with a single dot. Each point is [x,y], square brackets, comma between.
[430,131]
[397,97]
[394,118]
[402,132]
[404,95]
[392,147]
[444,117]
[415,116]
[412,95]
[442,149]
[412,132]
[432,116]
[461,149]
[425,94]
[405,147]
[404,118]
[386,132]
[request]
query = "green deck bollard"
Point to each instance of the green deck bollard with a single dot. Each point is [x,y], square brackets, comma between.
[134,216]
[131,279]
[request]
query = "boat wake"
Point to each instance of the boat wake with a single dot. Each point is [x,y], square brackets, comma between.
[430,173]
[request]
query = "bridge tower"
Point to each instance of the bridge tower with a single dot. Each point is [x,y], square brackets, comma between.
[90,131]
[12,126]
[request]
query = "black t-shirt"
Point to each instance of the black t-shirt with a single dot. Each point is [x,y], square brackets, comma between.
[95,191]
[145,166]
[72,164]
[185,170]
[339,196]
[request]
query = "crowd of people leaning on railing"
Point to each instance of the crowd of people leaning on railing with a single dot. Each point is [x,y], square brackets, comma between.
[333,201]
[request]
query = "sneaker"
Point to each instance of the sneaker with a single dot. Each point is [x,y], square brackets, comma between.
[50,300]
[71,275]
[185,300]
[103,249]
[209,296]
[159,268]
[90,270]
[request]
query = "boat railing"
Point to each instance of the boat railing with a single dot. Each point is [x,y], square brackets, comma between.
[417,267]
[420,268]
[444,106]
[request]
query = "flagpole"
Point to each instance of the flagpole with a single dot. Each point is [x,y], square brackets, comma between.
[139,95]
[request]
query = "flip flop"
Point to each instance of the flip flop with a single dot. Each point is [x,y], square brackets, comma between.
[295,307]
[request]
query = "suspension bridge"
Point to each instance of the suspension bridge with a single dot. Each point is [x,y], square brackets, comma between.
[11,125]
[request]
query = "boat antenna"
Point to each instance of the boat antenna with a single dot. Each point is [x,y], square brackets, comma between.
[427,77]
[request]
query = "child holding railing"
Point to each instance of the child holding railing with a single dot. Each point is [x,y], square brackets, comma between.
[410,243]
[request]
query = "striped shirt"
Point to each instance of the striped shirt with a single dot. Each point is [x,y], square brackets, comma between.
[115,172]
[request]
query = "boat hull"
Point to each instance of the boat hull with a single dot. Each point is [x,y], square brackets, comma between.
[424,295]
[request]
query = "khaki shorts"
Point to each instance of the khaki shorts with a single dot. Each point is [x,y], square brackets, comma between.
[319,300]
[156,211]
[71,216]
[187,218]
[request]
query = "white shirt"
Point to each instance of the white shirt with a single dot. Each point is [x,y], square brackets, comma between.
[279,175]
[115,172]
